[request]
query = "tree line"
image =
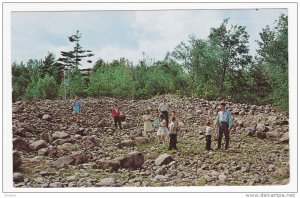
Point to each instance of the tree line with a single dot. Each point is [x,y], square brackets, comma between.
[219,67]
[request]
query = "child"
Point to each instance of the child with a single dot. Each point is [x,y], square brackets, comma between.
[162,131]
[77,109]
[208,135]
[116,116]
[147,124]
[156,122]
[173,134]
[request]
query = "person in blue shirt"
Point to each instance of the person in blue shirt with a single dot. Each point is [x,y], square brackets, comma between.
[224,124]
[77,108]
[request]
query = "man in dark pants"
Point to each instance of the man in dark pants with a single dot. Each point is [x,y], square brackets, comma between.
[224,122]
[116,115]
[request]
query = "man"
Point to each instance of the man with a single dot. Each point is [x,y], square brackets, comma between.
[224,123]
[163,108]
[116,115]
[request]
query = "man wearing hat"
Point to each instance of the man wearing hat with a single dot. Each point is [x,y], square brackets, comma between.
[224,123]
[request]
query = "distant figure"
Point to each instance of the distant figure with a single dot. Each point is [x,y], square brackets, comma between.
[147,122]
[208,135]
[163,108]
[162,131]
[173,134]
[77,108]
[156,121]
[224,124]
[116,116]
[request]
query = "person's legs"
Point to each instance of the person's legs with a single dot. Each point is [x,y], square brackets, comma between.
[115,121]
[226,133]
[208,142]
[220,137]
[119,121]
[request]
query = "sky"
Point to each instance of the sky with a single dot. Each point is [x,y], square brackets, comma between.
[115,34]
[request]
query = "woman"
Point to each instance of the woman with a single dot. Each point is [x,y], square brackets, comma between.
[147,122]
[162,131]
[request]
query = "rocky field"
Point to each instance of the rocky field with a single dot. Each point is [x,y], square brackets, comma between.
[51,150]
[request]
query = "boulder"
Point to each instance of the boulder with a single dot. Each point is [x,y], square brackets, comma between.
[37,145]
[47,117]
[112,165]
[103,123]
[261,127]
[250,132]
[80,158]
[20,144]
[163,159]
[17,160]
[106,182]
[128,143]
[141,140]
[63,161]
[261,135]
[125,125]
[272,134]
[18,177]
[285,138]
[132,160]
[43,151]
[45,136]
[60,135]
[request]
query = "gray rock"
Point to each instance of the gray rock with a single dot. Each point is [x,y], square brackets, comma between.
[161,171]
[72,184]
[160,178]
[35,146]
[37,159]
[17,161]
[128,143]
[163,159]
[261,127]
[106,182]
[281,172]
[285,181]
[56,185]
[222,178]
[285,138]
[132,160]
[63,161]
[43,151]
[60,135]
[18,177]
[20,144]
[47,117]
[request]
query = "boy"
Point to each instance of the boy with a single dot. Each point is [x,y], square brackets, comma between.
[173,134]
[208,136]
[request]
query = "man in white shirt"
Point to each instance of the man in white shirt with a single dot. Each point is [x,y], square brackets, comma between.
[163,108]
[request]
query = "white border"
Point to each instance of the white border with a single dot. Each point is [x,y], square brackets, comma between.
[7,119]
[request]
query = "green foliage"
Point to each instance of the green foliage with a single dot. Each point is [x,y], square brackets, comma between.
[44,88]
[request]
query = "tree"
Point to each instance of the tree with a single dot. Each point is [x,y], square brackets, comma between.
[72,59]
[273,55]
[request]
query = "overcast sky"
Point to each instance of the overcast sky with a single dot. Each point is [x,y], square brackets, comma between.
[114,34]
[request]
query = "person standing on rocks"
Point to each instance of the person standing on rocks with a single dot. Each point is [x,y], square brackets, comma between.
[163,108]
[77,108]
[162,131]
[116,116]
[224,124]
[147,123]
[173,134]
[208,135]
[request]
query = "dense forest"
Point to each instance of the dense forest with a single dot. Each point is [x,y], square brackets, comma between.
[219,67]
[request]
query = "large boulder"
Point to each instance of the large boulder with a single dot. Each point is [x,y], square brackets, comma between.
[112,165]
[132,160]
[60,135]
[17,160]
[20,144]
[63,161]
[37,145]
[163,159]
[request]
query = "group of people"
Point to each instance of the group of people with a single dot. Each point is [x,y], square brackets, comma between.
[166,130]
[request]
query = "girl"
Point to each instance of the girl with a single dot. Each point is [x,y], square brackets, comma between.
[156,122]
[147,123]
[162,131]
[116,116]
[208,135]
[77,109]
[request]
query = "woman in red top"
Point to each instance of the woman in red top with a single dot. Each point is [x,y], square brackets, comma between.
[116,115]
